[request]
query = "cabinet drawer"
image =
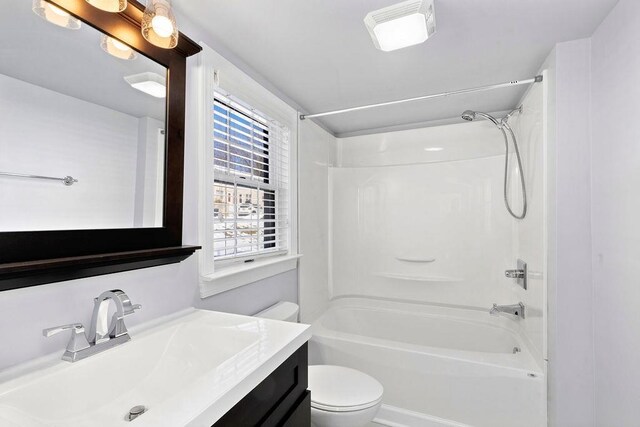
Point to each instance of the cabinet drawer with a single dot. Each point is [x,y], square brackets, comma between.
[300,416]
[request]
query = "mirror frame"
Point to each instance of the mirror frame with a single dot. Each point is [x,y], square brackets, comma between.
[29,258]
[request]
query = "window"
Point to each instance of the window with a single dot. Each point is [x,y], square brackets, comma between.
[250,185]
[248,171]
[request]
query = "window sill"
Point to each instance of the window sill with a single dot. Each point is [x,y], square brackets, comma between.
[235,276]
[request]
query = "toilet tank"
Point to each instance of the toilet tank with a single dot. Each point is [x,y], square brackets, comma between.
[284,310]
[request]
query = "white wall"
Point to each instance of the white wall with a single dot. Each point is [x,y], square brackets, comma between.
[150,173]
[317,152]
[593,324]
[615,99]
[571,390]
[48,133]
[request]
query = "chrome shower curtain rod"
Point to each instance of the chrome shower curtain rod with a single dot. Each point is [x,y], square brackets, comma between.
[536,79]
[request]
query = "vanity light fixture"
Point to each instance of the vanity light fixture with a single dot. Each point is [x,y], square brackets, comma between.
[150,83]
[109,5]
[401,25]
[433,149]
[159,24]
[116,48]
[55,14]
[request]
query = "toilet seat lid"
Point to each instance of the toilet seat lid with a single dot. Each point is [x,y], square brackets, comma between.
[336,388]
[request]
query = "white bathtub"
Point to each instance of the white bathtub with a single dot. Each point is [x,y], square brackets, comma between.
[440,366]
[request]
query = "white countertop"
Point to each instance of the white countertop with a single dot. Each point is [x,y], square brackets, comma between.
[189,369]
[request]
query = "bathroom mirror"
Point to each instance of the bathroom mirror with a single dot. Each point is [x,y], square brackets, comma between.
[91,143]
[82,134]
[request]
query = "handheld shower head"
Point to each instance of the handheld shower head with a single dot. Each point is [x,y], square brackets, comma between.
[502,124]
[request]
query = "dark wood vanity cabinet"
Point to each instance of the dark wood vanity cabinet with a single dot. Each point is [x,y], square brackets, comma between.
[281,400]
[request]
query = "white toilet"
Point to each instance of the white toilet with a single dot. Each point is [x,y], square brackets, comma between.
[340,396]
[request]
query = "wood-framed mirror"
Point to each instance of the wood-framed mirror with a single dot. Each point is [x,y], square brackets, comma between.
[92,146]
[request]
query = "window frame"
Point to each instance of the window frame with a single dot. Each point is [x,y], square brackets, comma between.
[270,183]
[216,74]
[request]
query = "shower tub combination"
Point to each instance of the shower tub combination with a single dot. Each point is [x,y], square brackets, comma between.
[439,365]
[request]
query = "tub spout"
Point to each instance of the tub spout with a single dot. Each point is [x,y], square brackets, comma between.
[513,309]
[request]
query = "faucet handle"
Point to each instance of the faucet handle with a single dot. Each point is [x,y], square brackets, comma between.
[131,308]
[127,307]
[57,329]
[78,339]
[119,328]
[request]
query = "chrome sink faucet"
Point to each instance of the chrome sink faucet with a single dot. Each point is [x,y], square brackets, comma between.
[104,333]
[101,329]
[513,309]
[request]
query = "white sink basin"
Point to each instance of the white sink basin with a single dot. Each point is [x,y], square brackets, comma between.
[187,371]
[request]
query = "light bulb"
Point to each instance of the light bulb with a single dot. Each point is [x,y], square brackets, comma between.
[57,10]
[112,6]
[54,14]
[117,48]
[159,25]
[119,45]
[162,26]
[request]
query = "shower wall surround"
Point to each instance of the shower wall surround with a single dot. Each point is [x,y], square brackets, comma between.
[423,232]
[529,234]
[317,152]
[419,215]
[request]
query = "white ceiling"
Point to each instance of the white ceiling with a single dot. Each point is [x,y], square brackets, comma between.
[319,54]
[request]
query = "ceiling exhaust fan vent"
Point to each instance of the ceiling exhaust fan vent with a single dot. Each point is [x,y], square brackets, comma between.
[401,25]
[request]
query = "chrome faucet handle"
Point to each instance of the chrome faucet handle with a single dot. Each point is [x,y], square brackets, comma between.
[118,327]
[127,307]
[57,329]
[132,309]
[514,274]
[78,339]
[520,274]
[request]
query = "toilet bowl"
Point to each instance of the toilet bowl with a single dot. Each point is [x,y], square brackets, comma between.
[340,396]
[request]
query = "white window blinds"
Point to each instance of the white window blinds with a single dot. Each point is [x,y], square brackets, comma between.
[251,181]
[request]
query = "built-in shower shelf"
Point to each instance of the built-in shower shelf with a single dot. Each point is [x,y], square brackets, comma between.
[416,259]
[426,279]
